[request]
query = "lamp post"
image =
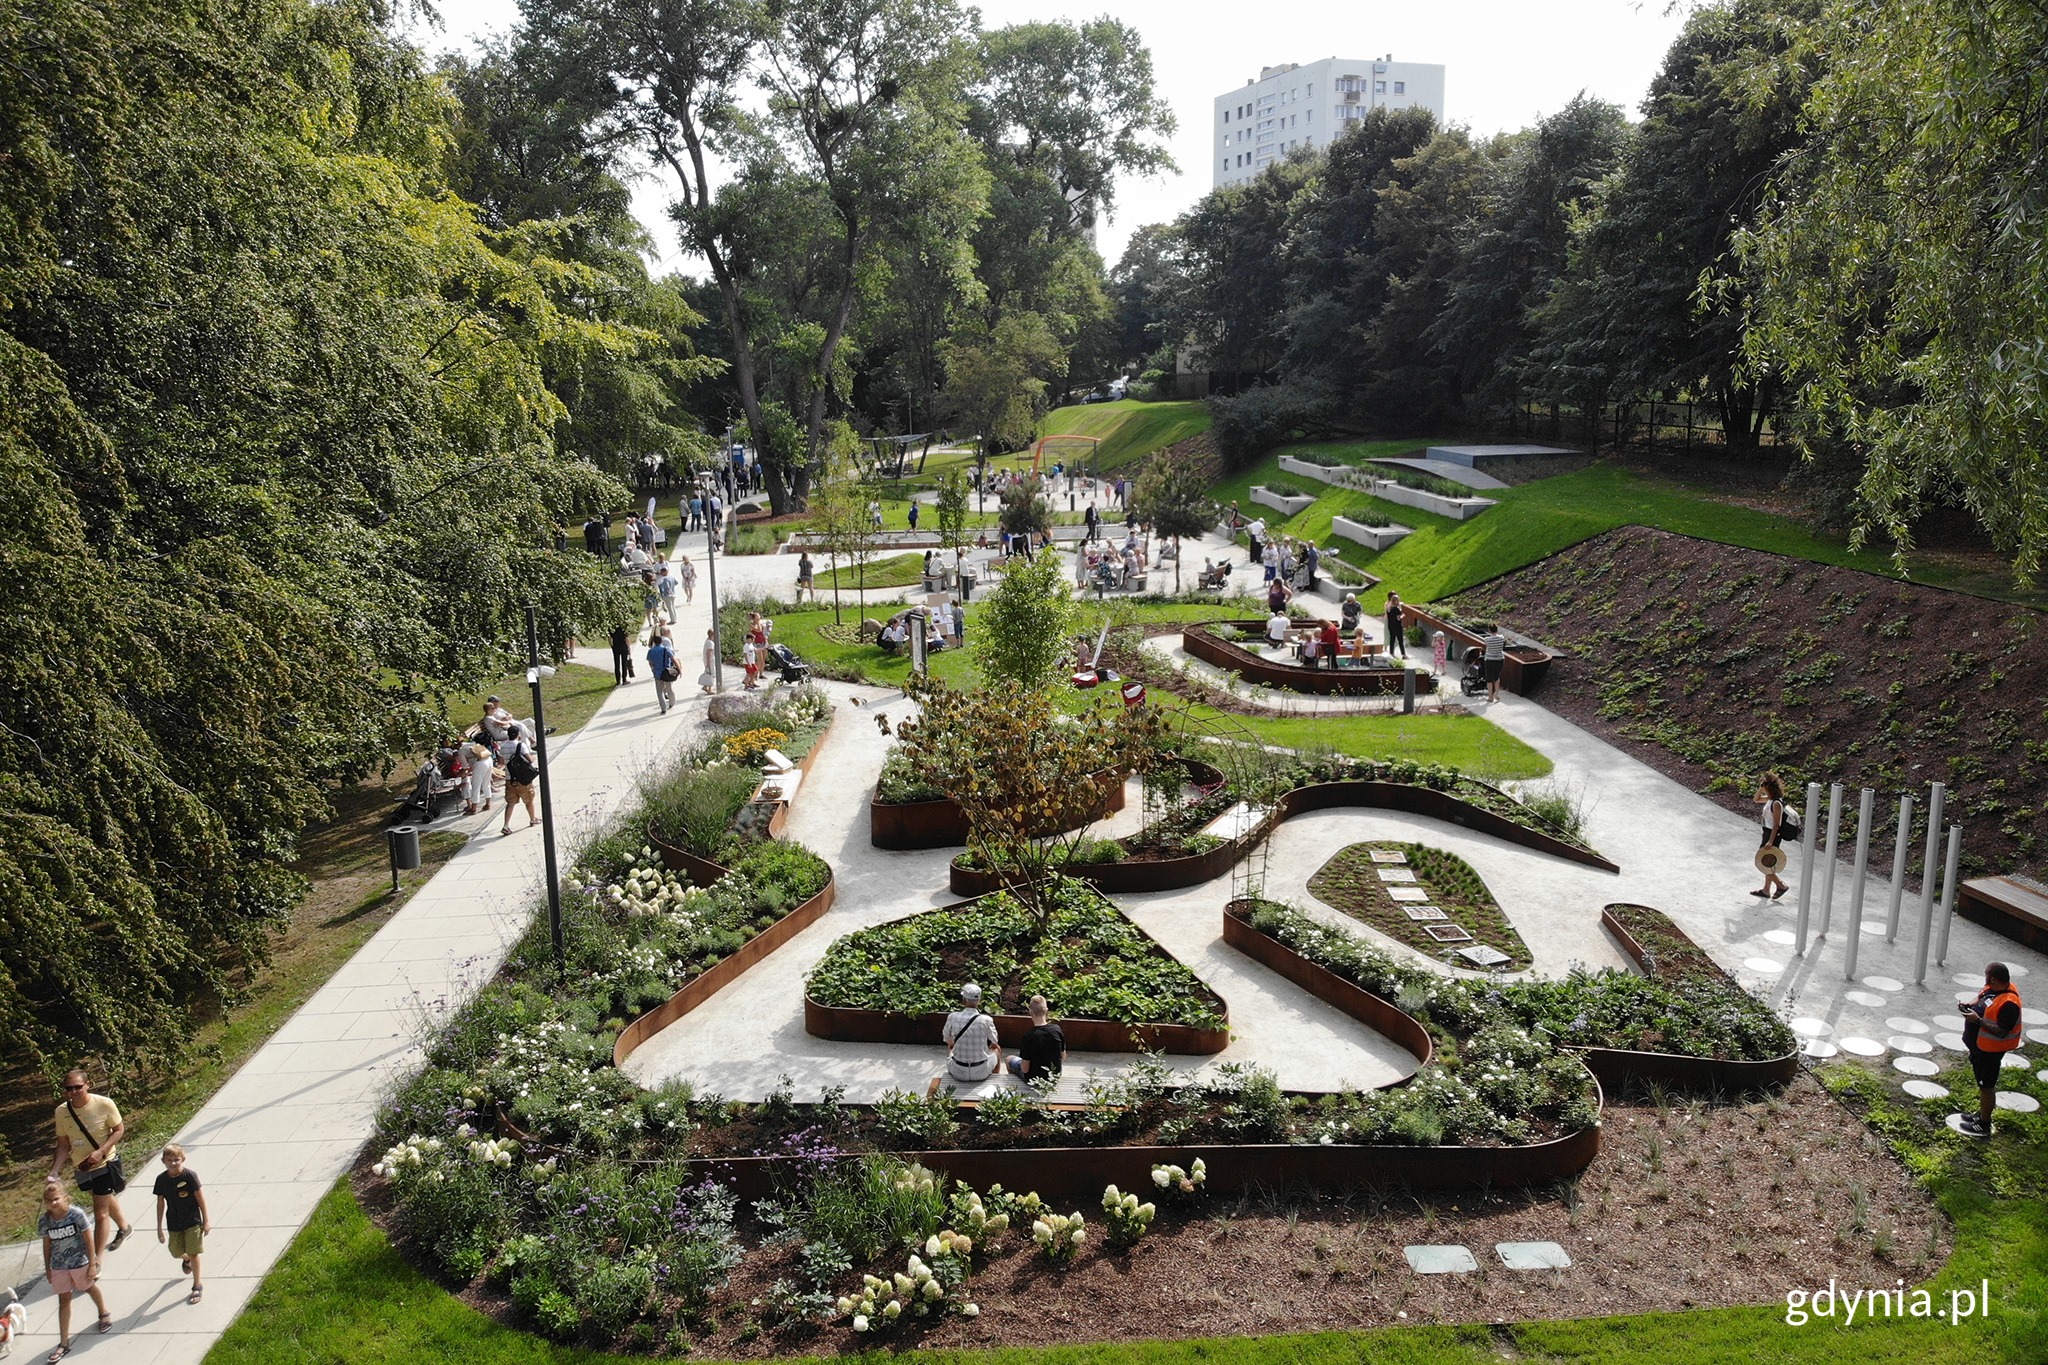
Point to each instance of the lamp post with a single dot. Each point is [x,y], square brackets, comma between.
[535,671]
[711,575]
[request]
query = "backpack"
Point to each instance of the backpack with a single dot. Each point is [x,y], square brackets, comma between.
[1789,828]
[521,769]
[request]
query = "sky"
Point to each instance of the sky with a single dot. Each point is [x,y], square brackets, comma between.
[1507,63]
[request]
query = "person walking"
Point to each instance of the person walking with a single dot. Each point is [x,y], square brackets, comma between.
[661,666]
[89,1132]
[709,677]
[1397,626]
[913,513]
[696,512]
[1770,800]
[806,581]
[686,574]
[522,774]
[1493,658]
[622,656]
[182,1220]
[71,1262]
[1991,1030]
[665,584]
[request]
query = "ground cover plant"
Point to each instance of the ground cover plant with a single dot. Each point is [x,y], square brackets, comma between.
[1089,961]
[1739,661]
[1350,881]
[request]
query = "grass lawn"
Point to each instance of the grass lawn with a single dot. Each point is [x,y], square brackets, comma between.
[897,571]
[571,696]
[342,1293]
[1129,429]
[1472,744]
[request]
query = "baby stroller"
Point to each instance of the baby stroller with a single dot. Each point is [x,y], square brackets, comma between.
[1473,682]
[440,779]
[793,669]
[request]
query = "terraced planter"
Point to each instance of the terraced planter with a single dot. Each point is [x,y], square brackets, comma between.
[1381,1016]
[943,824]
[1524,669]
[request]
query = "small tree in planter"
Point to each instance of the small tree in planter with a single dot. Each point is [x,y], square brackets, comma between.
[954,493]
[1025,775]
[1022,631]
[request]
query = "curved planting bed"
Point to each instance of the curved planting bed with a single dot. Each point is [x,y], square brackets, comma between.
[1204,643]
[1523,669]
[1175,873]
[1112,987]
[1362,880]
[940,823]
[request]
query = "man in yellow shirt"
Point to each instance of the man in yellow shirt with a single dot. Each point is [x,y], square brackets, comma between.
[89,1131]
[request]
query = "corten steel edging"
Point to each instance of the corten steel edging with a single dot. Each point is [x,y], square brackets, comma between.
[1170,874]
[1623,1067]
[726,970]
[942,824]
[1381,1016]
[1077,1175]
[1522,671]
[1199,641]
[844,1024]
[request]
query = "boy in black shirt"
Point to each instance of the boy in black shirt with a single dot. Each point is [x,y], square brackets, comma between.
[181,1205]
[1043,1051]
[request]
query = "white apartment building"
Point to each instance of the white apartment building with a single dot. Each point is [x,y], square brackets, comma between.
[1309,105]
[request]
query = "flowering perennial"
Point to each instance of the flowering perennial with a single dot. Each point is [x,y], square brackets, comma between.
[1059,1236]
[1174,1182]
[1127,1218]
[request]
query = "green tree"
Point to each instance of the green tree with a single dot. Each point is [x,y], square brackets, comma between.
[996,379]
[1026,510]
[840,518]
[1901,268]
[954,495]
[1025,628]
[1173,495]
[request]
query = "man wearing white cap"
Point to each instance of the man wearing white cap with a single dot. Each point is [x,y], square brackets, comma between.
[973,1054]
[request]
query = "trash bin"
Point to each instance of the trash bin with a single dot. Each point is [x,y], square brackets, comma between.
[966,587]
[405,847]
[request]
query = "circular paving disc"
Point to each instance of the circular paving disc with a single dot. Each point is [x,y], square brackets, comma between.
[1863,1047]
[1955,1122]
[1884,983]
[1901,1024]
[1965,997]
[2042,1075]
[1905,1042]
[2015,1061]
[1925,1090]
[1969,979]
[1808,1027]
[1785,936]
[1872,926]
[1916,1066]
[1769,966]
[2015,969]
[1952,1041]
[1819,1047]
[1867,999]
[2017,1102]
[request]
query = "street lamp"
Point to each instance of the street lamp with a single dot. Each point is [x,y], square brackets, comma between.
[707,482]
[535,671]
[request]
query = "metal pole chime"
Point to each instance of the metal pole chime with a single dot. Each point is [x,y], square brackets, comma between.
[711,529]
[1900,844]
[547,786]
[1827,871]
[1927,875]
[1949,867]
[1810,835]
[1863,813]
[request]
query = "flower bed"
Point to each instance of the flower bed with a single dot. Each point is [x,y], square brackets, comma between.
[1204,642]
[1350,882]
[905,813]
[1112,987]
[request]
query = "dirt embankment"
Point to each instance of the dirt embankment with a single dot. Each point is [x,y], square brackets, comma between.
[1713,663]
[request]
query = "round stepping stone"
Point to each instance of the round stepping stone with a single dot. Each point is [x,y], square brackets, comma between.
[1769,966]
[2030,1015]
[1916,1066]
[1902,1042]
[1884,983]
[2037,1035]
[1901,1024]
[1955,1122]
[1969,979]
[1872,926]
[2015,969]
[1952,1041]
[1863,1047]
[1925,1090]
[1808,1027]
[1784,936]
[1817,1047]
[1965,997]
[1868,999]
[2042,1075]
[2017,1102]
[2016,1061]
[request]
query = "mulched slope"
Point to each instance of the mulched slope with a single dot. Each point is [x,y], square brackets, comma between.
[1713,663]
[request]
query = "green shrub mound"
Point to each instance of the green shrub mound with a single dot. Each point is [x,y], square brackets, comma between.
[1092,963]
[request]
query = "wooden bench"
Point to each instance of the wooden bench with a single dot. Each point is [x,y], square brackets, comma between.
[2016,907]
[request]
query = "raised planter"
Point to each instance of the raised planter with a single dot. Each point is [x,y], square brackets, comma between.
[1381,1016]
[1456,508]
[1202,642]
[1372,537]
[1623,1067]
[1287,504]
[1170,874]
[1522,673]
[942,824]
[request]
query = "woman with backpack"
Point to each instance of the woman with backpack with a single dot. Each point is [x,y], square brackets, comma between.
[522,773]
[1778,825]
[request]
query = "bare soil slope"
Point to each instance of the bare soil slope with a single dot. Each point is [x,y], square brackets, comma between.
[1713,663]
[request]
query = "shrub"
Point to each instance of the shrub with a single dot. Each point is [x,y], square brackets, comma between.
[612,1293]
[1174,1183]
[1126,1218]
[917,1120]
[1059,1236]
[748,746]
[902,781]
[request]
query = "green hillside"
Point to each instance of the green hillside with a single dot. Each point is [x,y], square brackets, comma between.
[1129,429]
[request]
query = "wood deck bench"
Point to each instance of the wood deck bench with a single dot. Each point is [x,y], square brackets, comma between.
[2016,907]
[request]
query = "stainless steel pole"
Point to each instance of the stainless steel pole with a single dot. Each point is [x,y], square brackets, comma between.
[1863,813]
[1900,843]
[1927,876]
[1827,872]
[1949,868]
[1809,836]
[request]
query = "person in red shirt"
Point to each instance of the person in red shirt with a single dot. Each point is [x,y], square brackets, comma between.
[1331,638]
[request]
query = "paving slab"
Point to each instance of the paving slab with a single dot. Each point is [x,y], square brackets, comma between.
[1532,1255]
[1440,1260]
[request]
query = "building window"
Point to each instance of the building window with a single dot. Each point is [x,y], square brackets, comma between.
[1379,87]
[1400,87]
[1311,116]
